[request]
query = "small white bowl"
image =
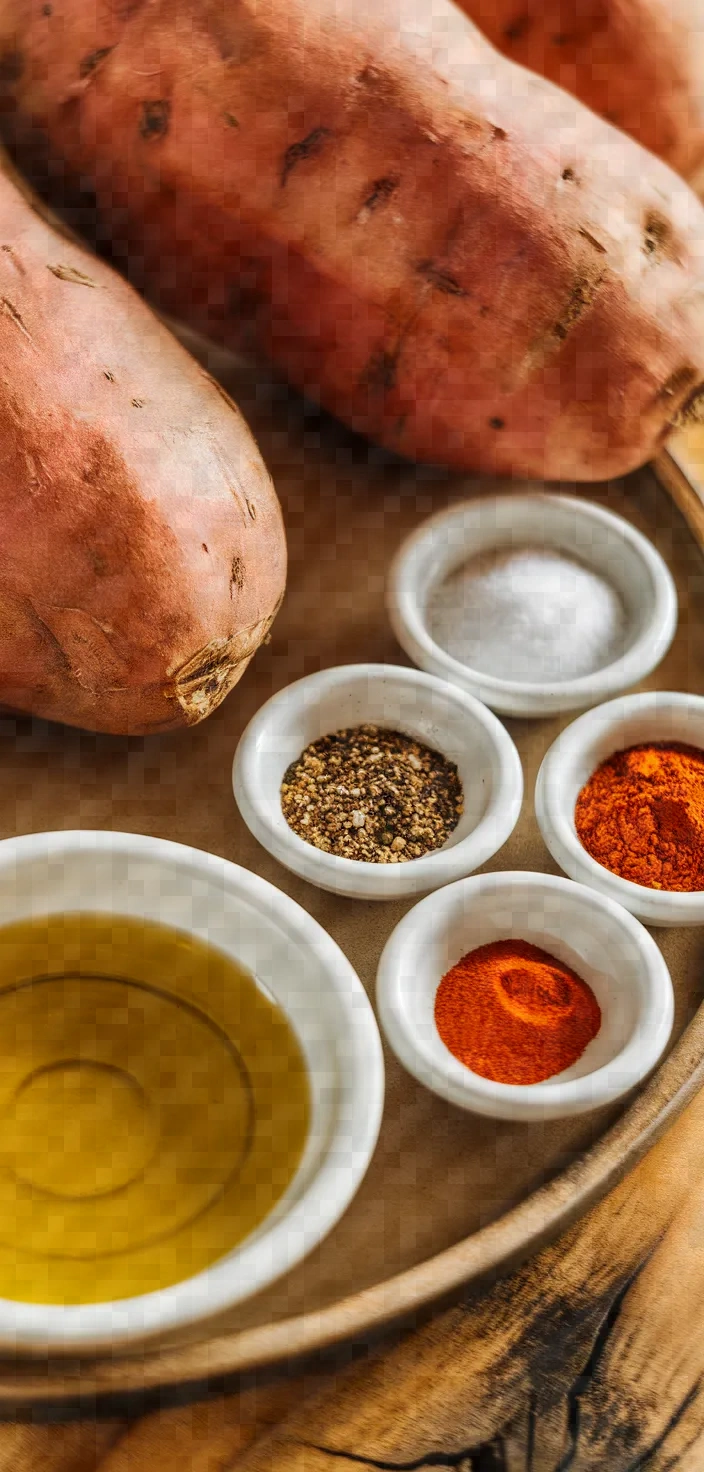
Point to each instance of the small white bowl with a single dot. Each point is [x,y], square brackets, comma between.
[600,540]
[429,710]
[306,972]
[600,941]
[656,715]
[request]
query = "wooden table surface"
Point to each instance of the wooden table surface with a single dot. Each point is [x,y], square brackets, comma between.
[590,1358]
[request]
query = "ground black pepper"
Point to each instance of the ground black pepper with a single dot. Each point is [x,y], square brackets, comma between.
[372,794]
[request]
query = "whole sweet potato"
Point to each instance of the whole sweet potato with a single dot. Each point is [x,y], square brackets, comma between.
[638,63]
[451,254]
[142,555]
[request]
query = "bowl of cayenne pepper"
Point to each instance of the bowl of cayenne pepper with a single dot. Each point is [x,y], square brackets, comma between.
[524,996]
[620,804]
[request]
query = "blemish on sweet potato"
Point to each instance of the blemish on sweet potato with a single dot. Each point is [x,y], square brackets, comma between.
[308,147]
[93,60]
[657,234]
[97,562]
[47,10]
[9,310]
[110,376]
[252,510]
[592,240]
[442,280]
[381,370]
[496,423]
[231,120]
[379,194]
[202,682]
[677,383]
[15,259]
[518,28]
[204,545]
[691,411]
[499,134]
[69,273]
[568,174]
[580,298]
[154,119]
[11,67]
[237,575]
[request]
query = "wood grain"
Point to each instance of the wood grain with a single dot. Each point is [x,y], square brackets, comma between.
[205,1436]
[591,1357]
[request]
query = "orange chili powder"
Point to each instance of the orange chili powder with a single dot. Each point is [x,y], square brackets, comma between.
[515,1014]
[641,814]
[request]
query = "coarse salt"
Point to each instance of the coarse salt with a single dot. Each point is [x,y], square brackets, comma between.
[528,614]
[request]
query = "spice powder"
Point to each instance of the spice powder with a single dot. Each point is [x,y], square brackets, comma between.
[641,815]
[515,1014]
[372,794]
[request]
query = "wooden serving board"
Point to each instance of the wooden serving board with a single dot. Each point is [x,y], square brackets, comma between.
[449,1198]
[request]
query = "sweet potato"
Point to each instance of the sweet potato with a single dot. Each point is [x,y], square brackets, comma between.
[449,253]
[142,551]
[638,63]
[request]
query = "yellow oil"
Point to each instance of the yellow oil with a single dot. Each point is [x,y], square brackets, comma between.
[154,1107]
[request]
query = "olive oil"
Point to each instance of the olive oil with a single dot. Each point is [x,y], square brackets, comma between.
[154,1107]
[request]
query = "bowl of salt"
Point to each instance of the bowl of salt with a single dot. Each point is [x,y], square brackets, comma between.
[533,602]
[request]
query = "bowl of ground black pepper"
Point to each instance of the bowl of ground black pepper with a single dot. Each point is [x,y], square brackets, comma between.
[376,781]
[620,804]
[535,602]
[524,996]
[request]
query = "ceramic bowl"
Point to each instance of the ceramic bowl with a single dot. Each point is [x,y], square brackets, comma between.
[572,525]
[656,715]
[429,710]
[605,945]
[307,974]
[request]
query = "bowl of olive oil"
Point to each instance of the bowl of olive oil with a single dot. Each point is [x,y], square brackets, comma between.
[191,1085]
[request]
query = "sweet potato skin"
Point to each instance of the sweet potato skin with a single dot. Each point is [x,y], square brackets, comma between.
[447,252]
[637,63]
[142,555]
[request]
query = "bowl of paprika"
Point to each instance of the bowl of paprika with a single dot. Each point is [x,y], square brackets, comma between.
[524,996]
[620,804]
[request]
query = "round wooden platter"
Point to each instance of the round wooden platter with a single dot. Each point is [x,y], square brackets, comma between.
[449,1198]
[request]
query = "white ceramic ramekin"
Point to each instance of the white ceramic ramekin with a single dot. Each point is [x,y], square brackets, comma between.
[570,524]
[656,715]
[429,710]
[600,941]
[309,977]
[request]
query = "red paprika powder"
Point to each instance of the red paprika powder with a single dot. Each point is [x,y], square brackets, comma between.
[513,1013]
[641,814]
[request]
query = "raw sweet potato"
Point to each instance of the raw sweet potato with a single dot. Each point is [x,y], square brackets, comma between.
[142,554]
[453,255]
[638,63]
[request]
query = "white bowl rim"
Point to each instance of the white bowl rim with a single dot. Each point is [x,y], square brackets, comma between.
[448,861]
[550,1098]
[66,1328]
[682,906]
[655,633]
